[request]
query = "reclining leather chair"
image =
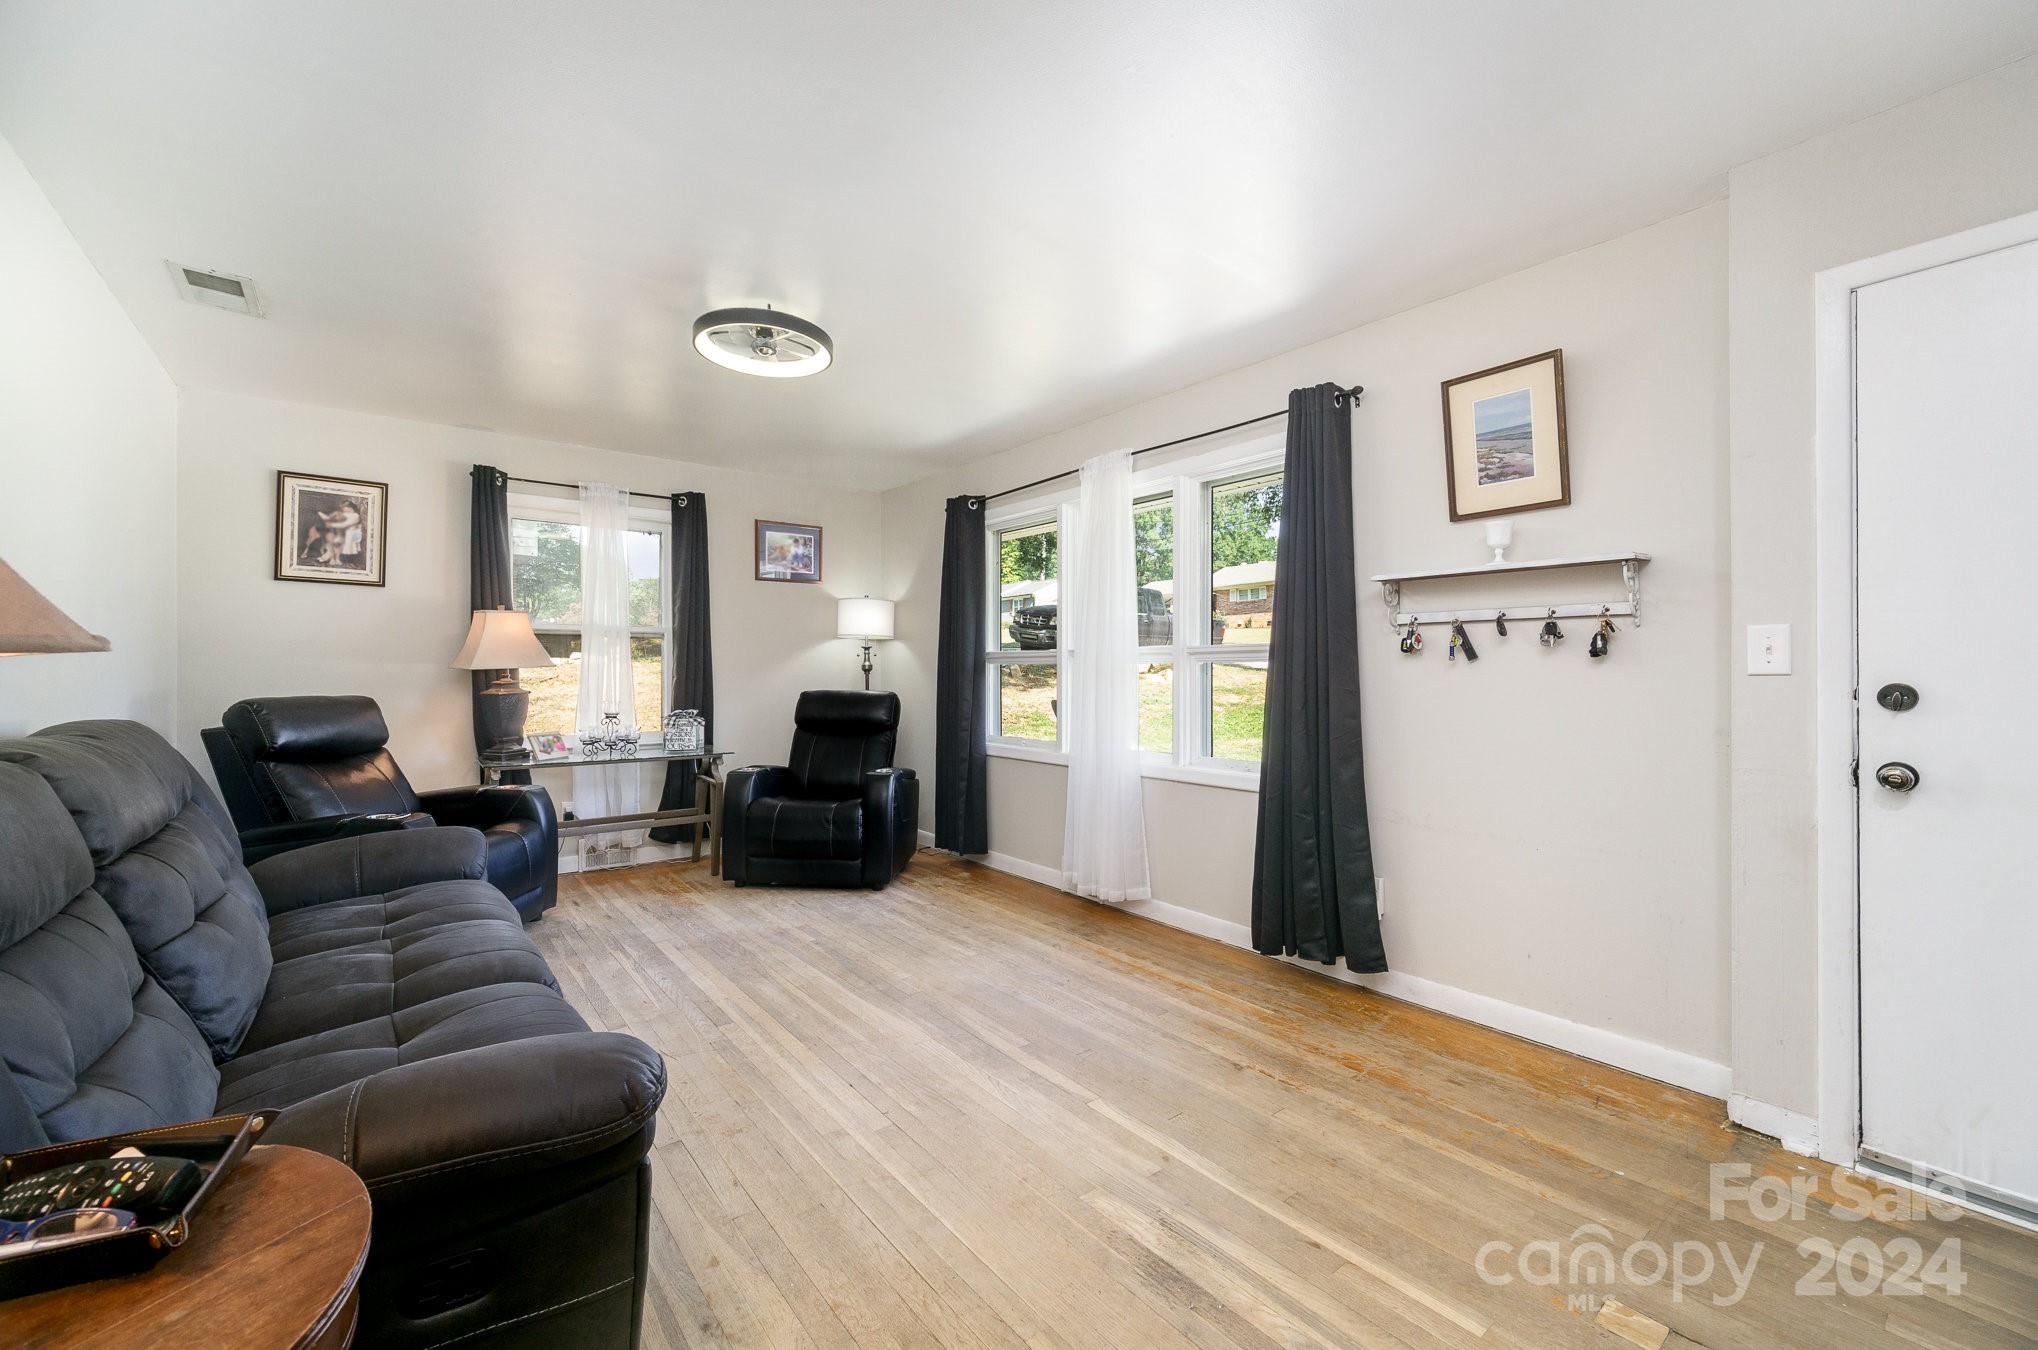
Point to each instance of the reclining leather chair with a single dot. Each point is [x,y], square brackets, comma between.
[836,813]
[323,761]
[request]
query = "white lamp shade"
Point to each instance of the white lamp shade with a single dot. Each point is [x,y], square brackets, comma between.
[501,639]
[859,616]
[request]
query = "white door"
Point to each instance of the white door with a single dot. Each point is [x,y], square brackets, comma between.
[1946,389]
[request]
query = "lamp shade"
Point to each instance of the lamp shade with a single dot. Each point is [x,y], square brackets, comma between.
[501,639]
[30,623]
[859,616]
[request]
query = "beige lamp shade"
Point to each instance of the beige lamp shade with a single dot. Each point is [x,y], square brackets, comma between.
[859,616]
[30,623]
[501,639]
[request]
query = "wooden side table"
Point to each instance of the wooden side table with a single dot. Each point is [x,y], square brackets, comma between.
[272,1264]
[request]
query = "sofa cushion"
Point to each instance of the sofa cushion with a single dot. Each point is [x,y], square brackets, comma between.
[786,827]
[350,961]
[492,1014]
[362,985]
[92,1043]
[169,863]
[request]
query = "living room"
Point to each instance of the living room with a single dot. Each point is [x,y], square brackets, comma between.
[950,677]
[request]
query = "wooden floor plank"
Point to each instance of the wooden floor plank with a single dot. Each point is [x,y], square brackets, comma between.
[971,1111]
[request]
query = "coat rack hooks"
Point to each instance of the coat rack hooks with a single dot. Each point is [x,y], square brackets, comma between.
[1630,565]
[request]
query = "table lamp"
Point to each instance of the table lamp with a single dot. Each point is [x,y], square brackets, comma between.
[859,616]
[501,640]
[30,623]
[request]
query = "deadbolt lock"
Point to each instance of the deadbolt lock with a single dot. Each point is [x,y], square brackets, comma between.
[1897,697]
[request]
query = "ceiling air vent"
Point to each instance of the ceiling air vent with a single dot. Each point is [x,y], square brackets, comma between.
[221,290]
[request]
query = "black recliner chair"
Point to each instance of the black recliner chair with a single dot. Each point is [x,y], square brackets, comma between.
[837,813]
[319,766]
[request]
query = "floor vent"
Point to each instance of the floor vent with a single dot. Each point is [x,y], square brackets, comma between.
[221,290]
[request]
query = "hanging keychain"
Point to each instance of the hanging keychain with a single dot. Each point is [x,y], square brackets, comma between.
[1552,635]
[1411,641]
[1600,640]
[1461,641]
[1500,624]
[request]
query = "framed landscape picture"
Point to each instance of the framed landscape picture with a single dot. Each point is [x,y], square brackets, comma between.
[788,552]
[330,529]
[1504,438]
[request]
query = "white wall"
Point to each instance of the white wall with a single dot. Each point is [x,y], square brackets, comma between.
[1964,157]
[1551,830]
[88,464]
[245,634]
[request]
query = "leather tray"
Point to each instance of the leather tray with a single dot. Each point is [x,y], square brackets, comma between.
[216,1144]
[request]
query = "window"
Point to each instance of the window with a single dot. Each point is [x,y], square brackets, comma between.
[1213,530]
[1245,527]
[1025,668]
[545,583]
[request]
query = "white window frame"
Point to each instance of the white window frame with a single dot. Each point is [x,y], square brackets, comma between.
[644,519]
[1053,511]
[1188,481]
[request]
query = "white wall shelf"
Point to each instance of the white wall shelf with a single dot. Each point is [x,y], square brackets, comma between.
[1630,565]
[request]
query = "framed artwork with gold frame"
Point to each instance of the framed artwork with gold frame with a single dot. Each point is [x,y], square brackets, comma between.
[1504,445]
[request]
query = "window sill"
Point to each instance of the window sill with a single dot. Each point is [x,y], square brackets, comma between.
[1202,775]
[1038,754]
[1205,775]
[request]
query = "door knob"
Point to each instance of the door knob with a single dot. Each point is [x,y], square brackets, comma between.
[1897,776]
[1897,697]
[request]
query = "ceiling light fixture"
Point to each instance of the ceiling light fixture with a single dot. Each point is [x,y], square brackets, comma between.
[763,342]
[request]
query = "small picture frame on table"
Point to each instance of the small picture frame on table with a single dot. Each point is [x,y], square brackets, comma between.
[1504,445]
[787,552]
[548,745]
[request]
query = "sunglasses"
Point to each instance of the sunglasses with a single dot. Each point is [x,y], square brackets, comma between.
[64,1225]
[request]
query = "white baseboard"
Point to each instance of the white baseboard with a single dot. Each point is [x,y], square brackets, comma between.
[1794,1130]
[1675,1067]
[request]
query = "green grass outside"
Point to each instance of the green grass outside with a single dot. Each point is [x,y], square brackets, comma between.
[1237,699]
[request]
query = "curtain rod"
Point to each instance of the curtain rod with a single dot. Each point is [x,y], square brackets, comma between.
[575,487]
[1351,393]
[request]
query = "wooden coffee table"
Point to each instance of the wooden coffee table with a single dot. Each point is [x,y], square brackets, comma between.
[273,1261]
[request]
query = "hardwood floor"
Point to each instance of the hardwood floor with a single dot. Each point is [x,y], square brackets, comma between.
[972,1111]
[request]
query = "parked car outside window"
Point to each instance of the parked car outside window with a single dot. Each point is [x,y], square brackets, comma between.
[1035,628]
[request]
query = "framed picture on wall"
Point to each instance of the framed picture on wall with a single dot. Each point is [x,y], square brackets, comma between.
[1504,438]
[788,552]
[330,529]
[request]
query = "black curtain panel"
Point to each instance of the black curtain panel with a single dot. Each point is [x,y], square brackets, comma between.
[962,818]
[488,574]
[692,658]
[1313,861]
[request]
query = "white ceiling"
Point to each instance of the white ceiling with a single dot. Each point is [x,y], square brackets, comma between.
[1011,217]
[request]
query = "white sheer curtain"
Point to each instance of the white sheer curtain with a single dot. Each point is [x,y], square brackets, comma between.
[1103,851]
[605,677]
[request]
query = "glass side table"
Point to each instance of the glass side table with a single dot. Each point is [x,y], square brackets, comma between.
[704,814]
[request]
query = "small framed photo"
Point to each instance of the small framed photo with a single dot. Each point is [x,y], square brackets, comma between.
[330,529]
[1504,438]
[788,552]
[548,745]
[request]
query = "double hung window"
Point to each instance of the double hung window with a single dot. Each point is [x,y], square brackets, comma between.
[1204,537]
[545,583]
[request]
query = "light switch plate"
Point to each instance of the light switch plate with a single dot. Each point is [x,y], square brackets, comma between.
[1769,649]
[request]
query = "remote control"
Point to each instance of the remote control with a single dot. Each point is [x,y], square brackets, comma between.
[144,1185]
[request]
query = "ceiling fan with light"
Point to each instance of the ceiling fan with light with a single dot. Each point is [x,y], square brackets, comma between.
[763,342]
